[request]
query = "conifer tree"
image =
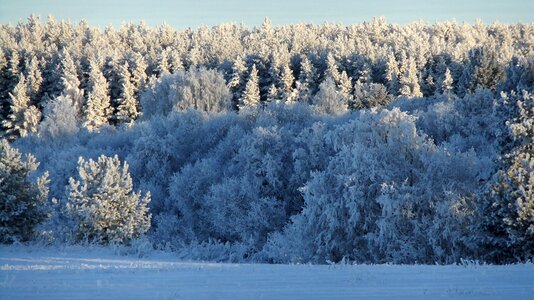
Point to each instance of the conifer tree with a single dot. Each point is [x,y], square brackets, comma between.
[163,66]
[272,94]
[98,107]
[251,94]
[345,86]
[409,82]
[127,111]
[34,78]
[23,117]
[508,214]
[70,84]
[138,67]
[236,81]
[306,81]
[22,202]
[287,80]
[331,68]
[392,75]
[447,83]
[103,205]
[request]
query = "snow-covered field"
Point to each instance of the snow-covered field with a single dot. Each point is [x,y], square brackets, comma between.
[78,273]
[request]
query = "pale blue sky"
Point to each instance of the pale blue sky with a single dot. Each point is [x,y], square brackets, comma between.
[193,13]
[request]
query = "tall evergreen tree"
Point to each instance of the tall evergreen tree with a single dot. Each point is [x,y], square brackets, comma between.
[103,204]
[34,78]
[409,81]
[287,79]
[392,74]
[508,214]
[98,108]
[251,94]
[22,202]
[127,111]
[23,118]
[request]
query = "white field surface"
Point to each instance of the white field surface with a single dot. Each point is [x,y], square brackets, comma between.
[29,272]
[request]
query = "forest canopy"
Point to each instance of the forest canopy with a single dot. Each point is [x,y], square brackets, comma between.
[371,142]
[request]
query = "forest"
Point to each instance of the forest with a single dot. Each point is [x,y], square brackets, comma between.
[365,143]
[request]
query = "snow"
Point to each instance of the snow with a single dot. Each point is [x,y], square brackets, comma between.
[31,272]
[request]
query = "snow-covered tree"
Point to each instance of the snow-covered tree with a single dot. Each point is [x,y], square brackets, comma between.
[392,74]
[331,70]
[368,95]
[127,110]
[34,78]
[446,84]
[306,80]
[251,94]
[22,201]
[287,79]
[409,81]
[98,107]
[329,100]
[61,118]
[103,205]
[508,214]
[23,118]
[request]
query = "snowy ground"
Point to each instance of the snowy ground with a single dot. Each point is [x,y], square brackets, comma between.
[77,273]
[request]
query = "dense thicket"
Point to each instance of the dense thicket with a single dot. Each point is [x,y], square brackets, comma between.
[372,142]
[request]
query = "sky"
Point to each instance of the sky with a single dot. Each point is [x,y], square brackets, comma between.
[194,13]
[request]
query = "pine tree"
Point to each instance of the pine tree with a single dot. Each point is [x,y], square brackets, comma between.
[138,67]
[127,111]
[111,69]
[103,205]
[68,71]
[34,78]
[272,94]
[175,61]
[163,66]
[446,85]
[368,95]
[345,86]
[23,118]
[70,83]
[9,81]
[508,217]
[287,80]
[331,68]
[251,94]
[392,75]
[22,202]
[236,81]
[409,82]
[306,81]
[98,107]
